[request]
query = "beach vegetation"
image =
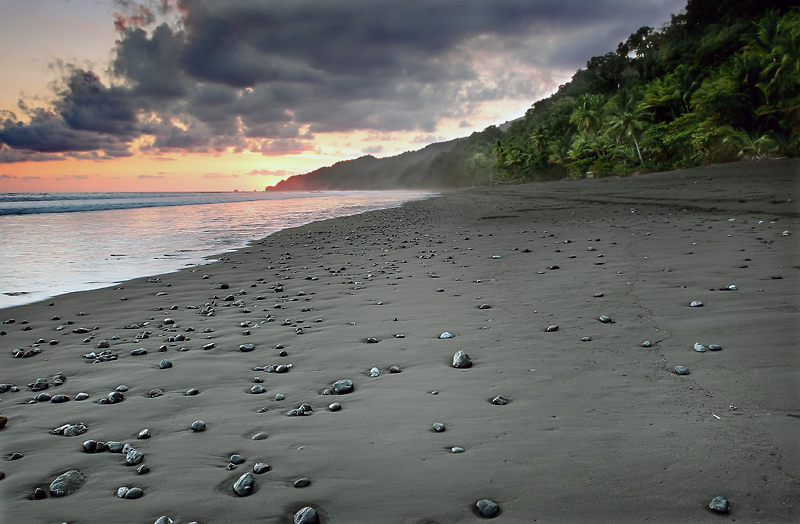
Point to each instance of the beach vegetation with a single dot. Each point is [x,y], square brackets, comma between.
[719,83]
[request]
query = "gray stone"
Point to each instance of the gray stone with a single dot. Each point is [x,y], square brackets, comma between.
[719,504]
[461,360]
[133,457]
[244,485]
[164,364]
[198,425]
[237,459]
[66,483]
[681,370]
[260,467]
[487,508]
[302,482]
[306,516]
[500,400]
[341,387]
[245,348]
[605,319]
[438,427]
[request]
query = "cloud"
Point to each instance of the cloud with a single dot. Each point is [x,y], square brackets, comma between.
[268,172]
[205,76]
[372,150]
[10,156]
[219,175]
[15,177]
[150,177]
[73,177]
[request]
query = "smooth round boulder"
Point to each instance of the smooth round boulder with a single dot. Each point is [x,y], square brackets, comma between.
[461,360]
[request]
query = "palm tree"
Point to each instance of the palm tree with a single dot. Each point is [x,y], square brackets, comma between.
[625,117]
[588,113]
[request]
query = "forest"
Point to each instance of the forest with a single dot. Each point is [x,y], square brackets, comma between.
[719,83]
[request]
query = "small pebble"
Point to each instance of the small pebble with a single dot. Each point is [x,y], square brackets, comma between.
[714,347]
[700,348]
[500,400]
[260,467]
[586,339]
[551,329]
[438,427]
[461,360]
[446,335]
[244,485]
[343,386]
[306,516]
[696,303]
[394,369]
[198,425]
[374,372]
[302,482]
[719,504]
[142,469]
[487,508]
[457,449]
[260,436]
[335,406]
[192,392]
[605,319]
[164,364]
[647,344]
[681,370]
[144,434]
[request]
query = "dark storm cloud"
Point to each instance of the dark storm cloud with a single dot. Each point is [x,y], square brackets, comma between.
[258,75]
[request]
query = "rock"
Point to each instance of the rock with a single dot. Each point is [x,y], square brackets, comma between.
[372,340]
[133,457]
[122,491]
[484,306]
[138,352]
[461,360]
[719,504]
[500,400]
[605,319]
[714,347]
[260,436]
[681,370]
[647,344]
[260,467]
[134,493]
[103,344]
[394,369]
[244,485]
[163,519]
[445,335]
[144,434]
[71,430]
[586,339]
[114,397]
[487,508]
[552,328]
[302,482]
[81,396]
[153,393]
[164,364]
[438,427]
[198,425]
[280,396]
[192,392]
[39,494]
[374,372]
[143,469]
[3,421]
[696,303]
[237,459]
[114,446]
[306,516]
[246,348]
[457,449]
[341,387]
[257,389]
[66,483]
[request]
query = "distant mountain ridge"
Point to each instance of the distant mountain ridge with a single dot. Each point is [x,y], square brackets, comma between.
[408,170]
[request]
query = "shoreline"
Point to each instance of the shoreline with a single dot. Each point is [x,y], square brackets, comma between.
[595,430]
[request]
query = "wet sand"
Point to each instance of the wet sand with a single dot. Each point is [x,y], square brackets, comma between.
[598,430]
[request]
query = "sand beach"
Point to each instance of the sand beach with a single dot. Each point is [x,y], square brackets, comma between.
[598,425]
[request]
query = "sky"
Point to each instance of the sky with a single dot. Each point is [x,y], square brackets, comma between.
[217,95]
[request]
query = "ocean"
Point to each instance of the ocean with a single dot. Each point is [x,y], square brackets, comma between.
[56,243]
